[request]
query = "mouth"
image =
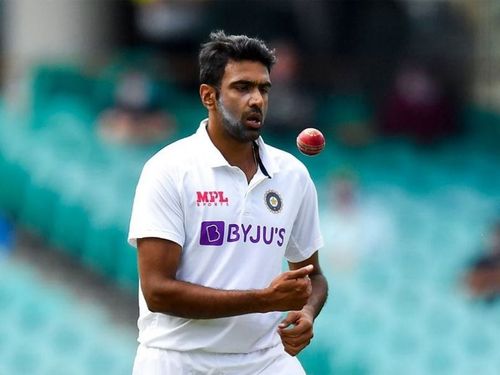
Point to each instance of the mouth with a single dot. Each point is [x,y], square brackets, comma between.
[254,120]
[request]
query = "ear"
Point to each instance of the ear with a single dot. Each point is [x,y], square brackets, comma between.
[208,95]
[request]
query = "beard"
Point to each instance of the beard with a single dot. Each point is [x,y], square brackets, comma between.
[235,127]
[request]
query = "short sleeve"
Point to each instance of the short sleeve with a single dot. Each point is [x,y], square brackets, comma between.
[157,211]
[306,237]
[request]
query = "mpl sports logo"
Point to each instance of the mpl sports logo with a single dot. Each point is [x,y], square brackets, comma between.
[215,233]
[211,198]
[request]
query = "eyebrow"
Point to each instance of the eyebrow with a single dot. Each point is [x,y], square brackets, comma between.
[266,84]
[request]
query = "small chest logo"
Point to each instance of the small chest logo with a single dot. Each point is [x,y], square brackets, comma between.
[218,233]
[273,201]
[211,198]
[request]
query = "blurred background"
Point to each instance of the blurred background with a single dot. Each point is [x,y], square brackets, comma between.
[407,94]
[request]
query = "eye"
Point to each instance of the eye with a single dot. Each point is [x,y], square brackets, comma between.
[242,87]
[264,89]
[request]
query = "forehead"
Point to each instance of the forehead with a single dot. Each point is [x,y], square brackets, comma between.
[245,70]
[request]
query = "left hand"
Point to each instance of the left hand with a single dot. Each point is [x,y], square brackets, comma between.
[299,336]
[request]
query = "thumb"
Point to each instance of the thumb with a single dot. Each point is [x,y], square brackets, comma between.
[291,318]
[301,272]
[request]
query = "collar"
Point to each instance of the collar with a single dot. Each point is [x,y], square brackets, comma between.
[213,157]
[210,154]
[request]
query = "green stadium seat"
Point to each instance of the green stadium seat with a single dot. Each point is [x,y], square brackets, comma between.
[50,83]
[14,177]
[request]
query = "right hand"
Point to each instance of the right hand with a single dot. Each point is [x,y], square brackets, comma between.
[290,290]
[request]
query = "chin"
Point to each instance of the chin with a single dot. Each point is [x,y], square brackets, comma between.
[254,134]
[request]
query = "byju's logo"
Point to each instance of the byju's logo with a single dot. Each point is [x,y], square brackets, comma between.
[212,233]
[211,198]
[215,233]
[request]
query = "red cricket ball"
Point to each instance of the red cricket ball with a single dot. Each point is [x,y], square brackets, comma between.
[310,141]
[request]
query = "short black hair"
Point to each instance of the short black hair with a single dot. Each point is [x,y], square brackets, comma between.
[215,54]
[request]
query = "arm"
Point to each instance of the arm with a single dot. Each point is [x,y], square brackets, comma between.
[319,284]
[158,263]
[299,336]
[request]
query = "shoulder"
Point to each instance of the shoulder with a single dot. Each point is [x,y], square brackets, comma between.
[174,156]
[287,163]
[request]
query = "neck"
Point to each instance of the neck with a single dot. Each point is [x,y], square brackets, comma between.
[238,154]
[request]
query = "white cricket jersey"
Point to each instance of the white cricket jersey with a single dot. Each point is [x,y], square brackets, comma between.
[233,234]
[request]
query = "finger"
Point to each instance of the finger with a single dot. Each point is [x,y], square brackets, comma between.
[291,318]
[296,338]
[290,351]
[297,345]
[297,317]
[290,348]
[293,350]
[300,325]
[299,273]
[296,331]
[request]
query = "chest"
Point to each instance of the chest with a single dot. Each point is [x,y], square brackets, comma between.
[223,197]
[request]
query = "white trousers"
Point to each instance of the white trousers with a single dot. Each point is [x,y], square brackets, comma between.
[272,361]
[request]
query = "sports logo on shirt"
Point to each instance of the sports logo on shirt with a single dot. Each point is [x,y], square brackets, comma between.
[216,233]
[273,201]
[212,233]
[211,198]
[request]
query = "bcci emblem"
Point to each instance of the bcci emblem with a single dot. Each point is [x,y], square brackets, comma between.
[273,201]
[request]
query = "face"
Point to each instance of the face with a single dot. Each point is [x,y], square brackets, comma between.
[243,99]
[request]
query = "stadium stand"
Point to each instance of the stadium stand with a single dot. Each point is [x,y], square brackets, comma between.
[47,330]
[398,312]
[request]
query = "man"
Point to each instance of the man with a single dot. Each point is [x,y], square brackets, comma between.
[213,216]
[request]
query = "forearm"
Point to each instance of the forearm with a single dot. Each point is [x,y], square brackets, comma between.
[299,335]
[318,296]
[158,264]
[192,301]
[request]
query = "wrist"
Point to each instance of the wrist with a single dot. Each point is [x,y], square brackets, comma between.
[262,297]
[309,311]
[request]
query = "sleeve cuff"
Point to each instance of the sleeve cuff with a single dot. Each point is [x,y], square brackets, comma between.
[170,236]
[307,252]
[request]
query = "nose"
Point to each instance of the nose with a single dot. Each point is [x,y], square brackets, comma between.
[256,98]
